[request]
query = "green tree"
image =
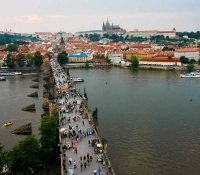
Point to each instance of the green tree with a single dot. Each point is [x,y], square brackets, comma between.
[86,35]
[10,61]
[3,158]
[107,59]
[127,37]
[190,67]
[49,54]
[38,59]
[29,59]
[25,156]
[48,133]
[87,65]
[63,58]
[20,60]
[12,48]
[184,60]
[192,61]
[135,62]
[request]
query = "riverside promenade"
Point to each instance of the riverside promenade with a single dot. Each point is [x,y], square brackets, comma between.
[68,96]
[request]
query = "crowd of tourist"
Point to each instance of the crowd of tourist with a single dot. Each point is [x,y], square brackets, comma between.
[75,129]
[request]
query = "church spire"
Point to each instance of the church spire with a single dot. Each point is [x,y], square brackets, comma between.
[103,27]
[62,40]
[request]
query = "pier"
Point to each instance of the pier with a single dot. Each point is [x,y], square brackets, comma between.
[78,132]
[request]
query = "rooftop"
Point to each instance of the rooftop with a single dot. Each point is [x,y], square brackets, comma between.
[74,54]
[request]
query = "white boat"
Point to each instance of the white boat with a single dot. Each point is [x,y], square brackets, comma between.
[77,79]
[10,73]
[190,75]
[2,78]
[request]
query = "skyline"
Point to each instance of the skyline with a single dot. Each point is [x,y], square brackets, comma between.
[80,15]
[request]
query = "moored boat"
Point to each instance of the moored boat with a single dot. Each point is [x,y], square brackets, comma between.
[2,78]
[190,75]
[10,73]
[77,79]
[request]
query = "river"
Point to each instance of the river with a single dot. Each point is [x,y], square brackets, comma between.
[147,117]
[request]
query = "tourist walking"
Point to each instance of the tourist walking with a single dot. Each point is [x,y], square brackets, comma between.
[95,172]
[89,142]
[99,171]
[74,164]
[83,122]
[81,166]
[84,157]
[70,160]
[75,150]
[81,158]
[85,164]
[90,157]
[104,164]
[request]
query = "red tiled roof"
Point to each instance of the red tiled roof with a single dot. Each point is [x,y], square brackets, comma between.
[161,59]
[188,50]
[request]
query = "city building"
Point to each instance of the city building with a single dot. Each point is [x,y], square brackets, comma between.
[191,53]
[160,61]
[112,29]
[75,57]
[150,33]
[139,54]
[62,44]
[116,58]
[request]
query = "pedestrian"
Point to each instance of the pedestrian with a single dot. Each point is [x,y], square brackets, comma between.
[83,122]
[75,150]
[81,158]
[70,160]
[99,171]
[74,164]
[109,168]
[64,166]
[104,164]
[95,172]
[85,164]
[90,157]
[89,142]
[84,157]
[81,166]
[66,172]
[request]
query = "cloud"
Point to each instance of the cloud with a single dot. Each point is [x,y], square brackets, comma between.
[27,19]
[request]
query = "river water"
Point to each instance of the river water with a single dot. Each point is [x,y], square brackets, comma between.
[147,117]
[13,97]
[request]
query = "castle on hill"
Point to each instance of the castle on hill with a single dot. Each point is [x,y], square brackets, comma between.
[110,28]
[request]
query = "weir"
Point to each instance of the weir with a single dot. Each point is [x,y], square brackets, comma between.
[55,104]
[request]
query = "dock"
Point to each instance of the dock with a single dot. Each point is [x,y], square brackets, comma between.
[84,138]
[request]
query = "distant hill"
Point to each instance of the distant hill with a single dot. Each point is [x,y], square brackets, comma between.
[16,38]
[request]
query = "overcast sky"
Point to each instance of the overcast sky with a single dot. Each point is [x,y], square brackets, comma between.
[30,16]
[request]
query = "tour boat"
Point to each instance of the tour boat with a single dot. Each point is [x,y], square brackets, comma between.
[11,73]
[190,75]
[77,79]
[2,78]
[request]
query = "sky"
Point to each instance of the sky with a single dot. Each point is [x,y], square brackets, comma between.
[29,16]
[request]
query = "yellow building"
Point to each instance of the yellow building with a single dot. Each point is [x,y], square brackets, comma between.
[139,54]
[78,57]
